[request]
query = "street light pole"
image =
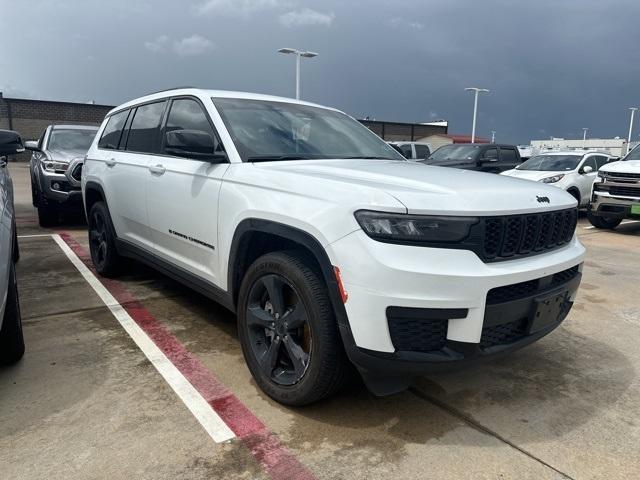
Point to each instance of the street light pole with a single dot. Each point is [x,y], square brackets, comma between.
[475,109]
[633,111]
[584,137]
[493,136]
[298,54]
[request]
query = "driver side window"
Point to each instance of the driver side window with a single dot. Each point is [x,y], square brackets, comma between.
[187,114]
[590,162]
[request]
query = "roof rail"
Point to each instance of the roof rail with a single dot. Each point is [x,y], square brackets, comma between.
[169,89]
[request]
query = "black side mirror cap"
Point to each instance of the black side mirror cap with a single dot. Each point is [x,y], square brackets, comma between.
[10,143]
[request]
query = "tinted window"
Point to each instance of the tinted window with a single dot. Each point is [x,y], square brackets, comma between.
[633,154]
[422,151]
[591,162]
[551,163]
[601,160]
[113,130]
[143,134]
[508,155]
[491,153]
[406,150]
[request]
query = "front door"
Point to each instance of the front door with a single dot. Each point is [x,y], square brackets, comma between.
[182,197]
[585,180]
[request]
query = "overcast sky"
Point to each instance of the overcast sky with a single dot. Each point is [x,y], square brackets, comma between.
[553,66]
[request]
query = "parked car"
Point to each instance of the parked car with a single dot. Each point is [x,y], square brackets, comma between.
[11,339]
[616,192]
[573,171]
[488,157]
[413,150]
[526,152]
[56,167]
[325,241]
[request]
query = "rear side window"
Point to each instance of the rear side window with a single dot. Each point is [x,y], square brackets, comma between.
[508,155]
[145,128]
[113,131]
[422,151]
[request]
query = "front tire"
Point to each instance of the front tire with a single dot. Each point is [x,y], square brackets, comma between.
[603,222]
[102,241]
[288,330]
[11,338]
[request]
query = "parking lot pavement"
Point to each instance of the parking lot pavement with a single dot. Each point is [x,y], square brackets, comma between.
[85,402]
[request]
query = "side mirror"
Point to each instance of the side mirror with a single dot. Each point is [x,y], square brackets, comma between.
[31,145]
[10,143]
[587,169]
[195,144]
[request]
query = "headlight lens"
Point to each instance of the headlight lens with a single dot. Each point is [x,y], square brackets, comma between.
[554,179]
[54,166]
[392,227]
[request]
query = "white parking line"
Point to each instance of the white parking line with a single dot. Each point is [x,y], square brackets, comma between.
[623,223]
[197,405]
[35,235]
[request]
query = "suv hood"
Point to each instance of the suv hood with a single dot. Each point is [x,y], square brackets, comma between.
[535,175]
[424,189]
[626,166]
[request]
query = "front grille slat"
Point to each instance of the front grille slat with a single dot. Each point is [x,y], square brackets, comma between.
[624,191]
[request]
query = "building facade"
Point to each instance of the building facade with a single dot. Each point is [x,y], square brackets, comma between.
[614,146]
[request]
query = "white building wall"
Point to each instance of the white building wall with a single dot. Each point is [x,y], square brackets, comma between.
[613,146]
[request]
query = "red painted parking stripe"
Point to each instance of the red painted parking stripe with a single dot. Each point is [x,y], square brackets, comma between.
[264,445]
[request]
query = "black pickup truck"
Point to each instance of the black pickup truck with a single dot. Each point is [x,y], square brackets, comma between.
[487,157]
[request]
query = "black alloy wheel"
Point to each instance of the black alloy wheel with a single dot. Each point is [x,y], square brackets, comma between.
[98,238]
[279,330]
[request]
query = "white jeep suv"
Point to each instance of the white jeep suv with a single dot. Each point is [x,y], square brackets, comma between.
[573,171]
[328,245]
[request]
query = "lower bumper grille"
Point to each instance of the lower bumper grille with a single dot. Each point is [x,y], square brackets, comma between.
[504,333]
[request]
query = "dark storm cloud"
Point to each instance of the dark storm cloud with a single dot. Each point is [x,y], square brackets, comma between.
[553,67]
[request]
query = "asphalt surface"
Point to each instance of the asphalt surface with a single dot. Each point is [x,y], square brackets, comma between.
[86,403]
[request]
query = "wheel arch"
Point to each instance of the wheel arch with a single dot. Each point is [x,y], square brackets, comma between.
[92,192]
[254,237]
[575,191]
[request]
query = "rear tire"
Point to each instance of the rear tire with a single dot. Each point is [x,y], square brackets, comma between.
[288,331]
[11,338]
[47,216]
[102,241]
[603,222]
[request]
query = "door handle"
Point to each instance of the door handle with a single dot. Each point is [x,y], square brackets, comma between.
[157,169]
[111,162]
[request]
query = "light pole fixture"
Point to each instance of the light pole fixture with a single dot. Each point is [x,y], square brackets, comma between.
[493,136]
[633,111]
[298,54]
[584,137]
[475,109]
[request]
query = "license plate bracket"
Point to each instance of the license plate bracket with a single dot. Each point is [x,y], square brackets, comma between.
[547,310]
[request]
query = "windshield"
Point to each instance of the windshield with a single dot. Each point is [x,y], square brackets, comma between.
[454,153]
[551,163]
[71,139]
[633,154]
[266,131]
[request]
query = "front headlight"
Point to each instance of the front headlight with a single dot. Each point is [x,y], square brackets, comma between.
[403,228]
[554,179]
[54,166]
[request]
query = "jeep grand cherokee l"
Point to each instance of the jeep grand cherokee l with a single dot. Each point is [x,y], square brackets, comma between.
[328,245]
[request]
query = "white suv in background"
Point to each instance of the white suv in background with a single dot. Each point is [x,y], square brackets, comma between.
[573,171]
[327,244]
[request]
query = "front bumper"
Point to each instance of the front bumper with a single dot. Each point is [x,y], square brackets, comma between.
[605,204]
[451,286]
[59,188]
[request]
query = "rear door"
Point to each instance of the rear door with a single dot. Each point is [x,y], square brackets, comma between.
[127,171]
[182,197]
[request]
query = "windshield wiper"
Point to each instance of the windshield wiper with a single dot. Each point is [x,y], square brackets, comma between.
[275,158]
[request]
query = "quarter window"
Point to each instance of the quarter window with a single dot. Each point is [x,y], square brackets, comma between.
[113,131]
[145,128]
